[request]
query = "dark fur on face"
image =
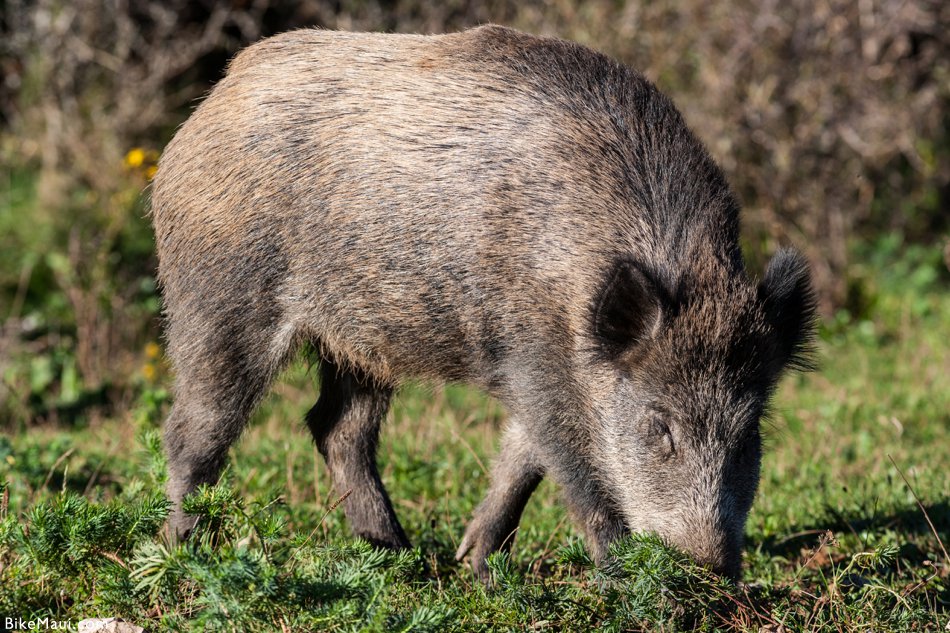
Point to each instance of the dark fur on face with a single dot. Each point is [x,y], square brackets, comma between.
[694,379]
[519,213]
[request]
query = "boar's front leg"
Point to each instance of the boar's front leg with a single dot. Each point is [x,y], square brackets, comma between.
[586,499]
[602,527]
[345,424]
[515,476]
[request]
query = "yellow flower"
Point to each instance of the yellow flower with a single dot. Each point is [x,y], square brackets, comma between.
[148,371]
[135,157]
[152,350]
[150,172]
[11,460]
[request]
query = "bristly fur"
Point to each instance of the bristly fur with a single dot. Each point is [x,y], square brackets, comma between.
[520,213]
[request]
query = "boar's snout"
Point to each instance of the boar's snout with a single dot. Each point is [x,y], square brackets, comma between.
[714,549]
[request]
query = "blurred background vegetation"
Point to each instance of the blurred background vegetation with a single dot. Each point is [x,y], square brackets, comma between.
[829,116]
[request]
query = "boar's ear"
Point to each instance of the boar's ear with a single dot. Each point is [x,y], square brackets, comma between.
[789,301]
[627,310]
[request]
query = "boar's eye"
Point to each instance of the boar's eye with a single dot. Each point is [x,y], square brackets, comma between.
[661,437]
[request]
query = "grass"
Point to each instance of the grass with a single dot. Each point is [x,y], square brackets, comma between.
[836,541]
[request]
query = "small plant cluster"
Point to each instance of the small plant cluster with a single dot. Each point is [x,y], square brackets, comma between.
[241,570]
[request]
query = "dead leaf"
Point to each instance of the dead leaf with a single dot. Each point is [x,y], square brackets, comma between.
[108,625]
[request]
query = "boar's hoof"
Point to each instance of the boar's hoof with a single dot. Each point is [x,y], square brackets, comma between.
[479,542]
[179,526]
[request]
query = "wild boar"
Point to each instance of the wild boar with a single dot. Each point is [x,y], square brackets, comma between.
[518,213]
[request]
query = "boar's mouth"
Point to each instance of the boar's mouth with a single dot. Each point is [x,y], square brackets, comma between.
[712,546]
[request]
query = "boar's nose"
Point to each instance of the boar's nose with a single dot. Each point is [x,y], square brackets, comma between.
[719,562]
[727,565]
[715,552]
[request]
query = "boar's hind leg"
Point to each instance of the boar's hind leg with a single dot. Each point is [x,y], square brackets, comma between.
[515,476]
[345,425]
[215,392]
